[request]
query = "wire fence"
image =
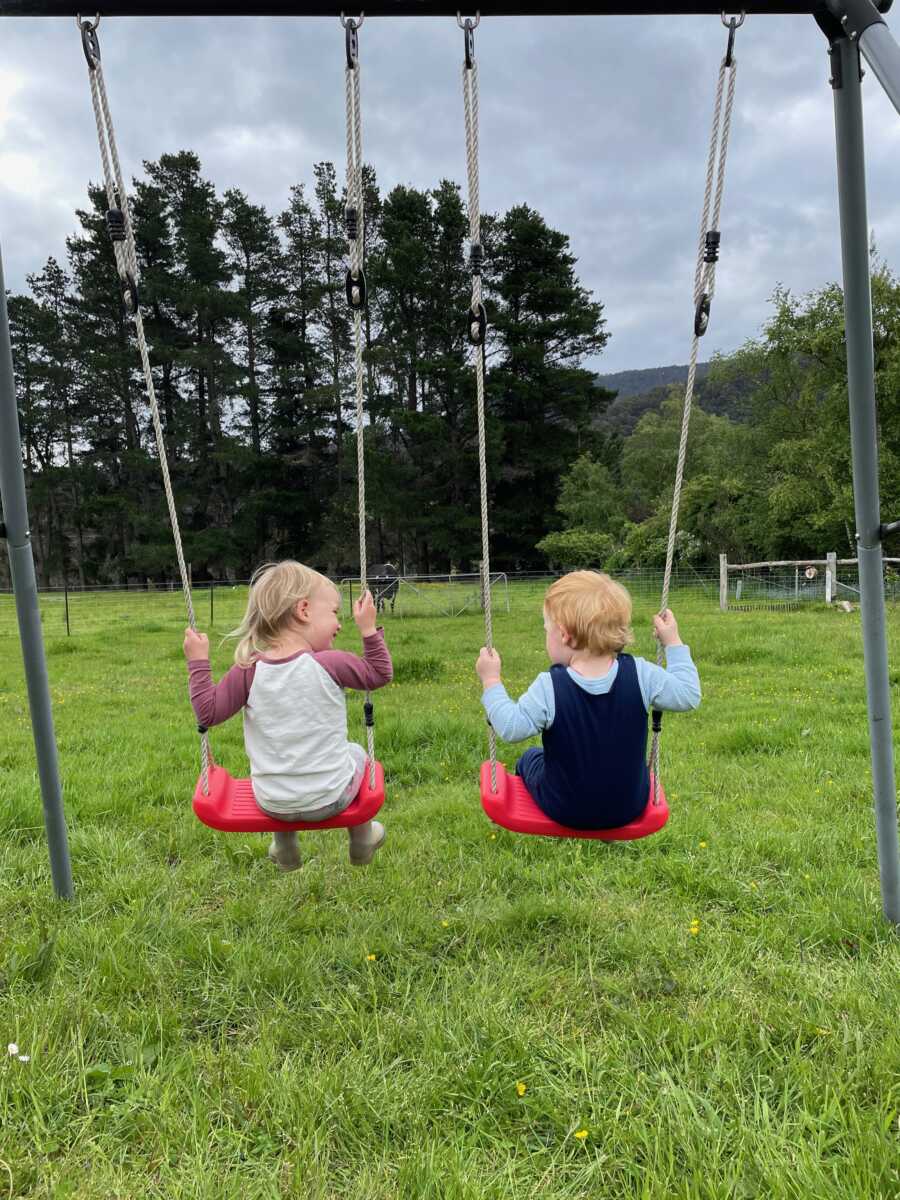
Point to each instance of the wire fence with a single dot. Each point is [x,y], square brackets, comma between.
[796,585]
[220,605]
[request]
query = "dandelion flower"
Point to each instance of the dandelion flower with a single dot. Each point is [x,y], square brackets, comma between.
[581,1134]
[703,845]
[12,1049]
[521,1088]
[371,957]
[445,924]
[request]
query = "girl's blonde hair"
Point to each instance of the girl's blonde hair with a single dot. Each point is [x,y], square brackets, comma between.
[275,589]
[593,609]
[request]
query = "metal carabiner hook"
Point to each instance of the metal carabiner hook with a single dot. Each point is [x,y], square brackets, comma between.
[726,20]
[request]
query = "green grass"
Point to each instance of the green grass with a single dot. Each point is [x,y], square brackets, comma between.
[201,1026]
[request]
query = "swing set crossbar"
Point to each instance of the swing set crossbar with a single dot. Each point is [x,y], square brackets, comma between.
[402,8]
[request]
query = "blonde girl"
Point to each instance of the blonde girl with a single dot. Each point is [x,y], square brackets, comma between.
[288,681]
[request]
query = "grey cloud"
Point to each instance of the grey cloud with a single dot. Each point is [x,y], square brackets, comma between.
[601,124]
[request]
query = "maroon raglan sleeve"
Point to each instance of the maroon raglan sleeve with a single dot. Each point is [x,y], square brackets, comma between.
[365,674]
[214,703]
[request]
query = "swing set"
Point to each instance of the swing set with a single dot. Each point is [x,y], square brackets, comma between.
[852,28]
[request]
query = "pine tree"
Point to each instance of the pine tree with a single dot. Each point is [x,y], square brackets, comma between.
[545,324]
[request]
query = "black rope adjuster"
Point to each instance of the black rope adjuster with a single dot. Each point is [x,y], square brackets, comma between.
[130,296]
[115,224]
[351,220]
[476,325]
[90,43]
[701,315]
[352,26]
[468,26]
[713,238]
[201,729]
[369,714]
[476,258]
[657,721]
[357,293]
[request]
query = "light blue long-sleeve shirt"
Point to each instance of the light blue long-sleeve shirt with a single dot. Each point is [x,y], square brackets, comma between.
[674,688]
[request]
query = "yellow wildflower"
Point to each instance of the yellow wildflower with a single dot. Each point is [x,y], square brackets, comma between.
[521,1088]
[703,845]
[581,1134]
[370,957]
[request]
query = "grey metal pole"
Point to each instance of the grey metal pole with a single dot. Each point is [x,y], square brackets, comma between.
[21,567]
[851,172]
[883,55]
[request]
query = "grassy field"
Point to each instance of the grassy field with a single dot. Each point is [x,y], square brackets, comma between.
[709,1013]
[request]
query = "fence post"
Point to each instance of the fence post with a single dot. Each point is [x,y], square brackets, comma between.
[830,576]
[723,582]
[66,599]
[212,588]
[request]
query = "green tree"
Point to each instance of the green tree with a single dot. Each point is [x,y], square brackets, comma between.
[544,324]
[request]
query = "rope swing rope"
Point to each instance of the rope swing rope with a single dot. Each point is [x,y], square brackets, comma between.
[118,223]
[704,290]
[119,226]
[354,217]
[476,327]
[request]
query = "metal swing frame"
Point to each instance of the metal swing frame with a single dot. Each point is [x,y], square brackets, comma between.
[854,29]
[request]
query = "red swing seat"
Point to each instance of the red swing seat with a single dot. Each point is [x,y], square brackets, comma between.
[231,806]
[512,807]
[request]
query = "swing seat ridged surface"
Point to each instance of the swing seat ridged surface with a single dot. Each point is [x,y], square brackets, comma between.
[512,807]
[231,806]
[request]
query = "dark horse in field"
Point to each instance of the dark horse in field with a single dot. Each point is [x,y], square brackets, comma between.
[384,583]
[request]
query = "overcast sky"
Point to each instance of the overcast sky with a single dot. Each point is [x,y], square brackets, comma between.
[600,123]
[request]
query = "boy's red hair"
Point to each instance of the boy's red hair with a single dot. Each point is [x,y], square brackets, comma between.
[593,609]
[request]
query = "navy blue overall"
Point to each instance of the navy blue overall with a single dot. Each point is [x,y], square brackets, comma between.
[592,772]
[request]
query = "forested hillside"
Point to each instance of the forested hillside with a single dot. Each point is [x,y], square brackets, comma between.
[250,338]
[252,359]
